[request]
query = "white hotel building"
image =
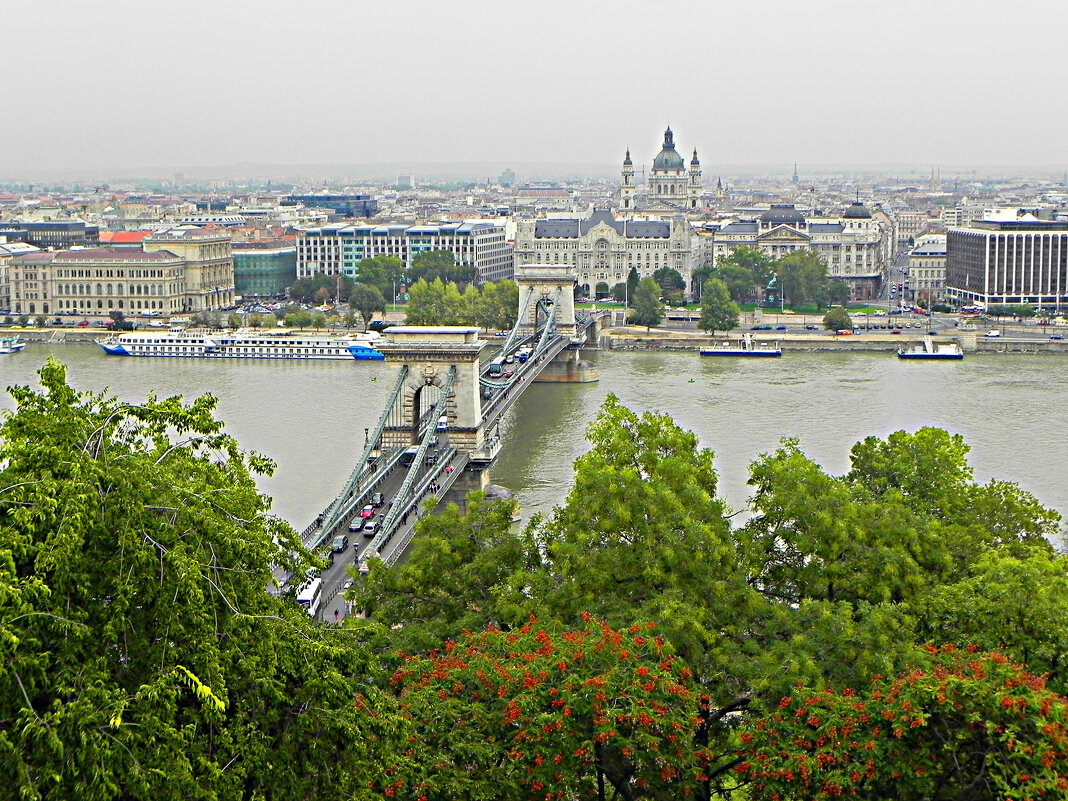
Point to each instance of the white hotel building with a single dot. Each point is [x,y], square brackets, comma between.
[339,249]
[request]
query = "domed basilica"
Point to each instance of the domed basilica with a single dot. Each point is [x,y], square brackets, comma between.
[670,188]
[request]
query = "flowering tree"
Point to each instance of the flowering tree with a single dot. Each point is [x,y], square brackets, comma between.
[535,713]
[966,725]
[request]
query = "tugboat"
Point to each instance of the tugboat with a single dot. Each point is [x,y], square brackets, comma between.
[743,347]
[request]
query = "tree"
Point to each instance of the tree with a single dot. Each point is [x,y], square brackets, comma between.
[641,535]
[619,292]
[142,656]
[698,279]
[801,276]
[718,312]
[255,321]
[119,321]
[233,320]
[837,319]
[368,301]
[738,280]
[632,284]
[959,724]
[646,303]
[538,712]
[758,263]
[1007,604]
[299,319]
[318,320]
[384,272]
[454,577]
[440,265]
[672,284]
[320,288]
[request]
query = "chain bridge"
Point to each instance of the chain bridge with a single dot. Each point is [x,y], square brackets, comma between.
[438,430]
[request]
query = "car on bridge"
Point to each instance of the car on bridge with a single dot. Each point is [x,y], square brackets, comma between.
[367,511]
[340,543]
[356,524]
[370,528]
[376,499]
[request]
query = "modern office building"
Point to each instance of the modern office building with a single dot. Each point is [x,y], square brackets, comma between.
[343,205]
[55,234]
[1010,259]
[603,249]
[339,249]
[264,267]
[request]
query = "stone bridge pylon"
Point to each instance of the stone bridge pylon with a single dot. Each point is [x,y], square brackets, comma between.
[428,353]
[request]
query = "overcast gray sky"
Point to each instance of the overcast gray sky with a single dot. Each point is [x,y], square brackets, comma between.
[219,82]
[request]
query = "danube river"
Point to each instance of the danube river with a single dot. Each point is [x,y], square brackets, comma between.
[310,417]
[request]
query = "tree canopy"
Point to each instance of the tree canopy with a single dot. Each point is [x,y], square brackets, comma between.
[718,311]
[440,265]
[646,304]
[367,300]
[142,655]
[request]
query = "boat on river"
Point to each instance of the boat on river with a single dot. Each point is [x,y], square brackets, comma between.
[11,344]
[928,349]
[244,344]
[743,347]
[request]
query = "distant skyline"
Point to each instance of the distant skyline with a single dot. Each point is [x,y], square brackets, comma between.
[124,87]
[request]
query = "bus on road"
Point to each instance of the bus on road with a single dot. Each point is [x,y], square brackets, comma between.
[311,595]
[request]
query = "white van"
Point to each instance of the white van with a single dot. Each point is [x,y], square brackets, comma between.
[443,423]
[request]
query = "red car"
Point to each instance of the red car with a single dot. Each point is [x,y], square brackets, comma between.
[83,324]
[367,511]
[896,331]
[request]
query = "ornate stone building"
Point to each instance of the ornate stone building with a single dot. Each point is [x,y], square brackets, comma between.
[852,245]
[671,188]
[603,249]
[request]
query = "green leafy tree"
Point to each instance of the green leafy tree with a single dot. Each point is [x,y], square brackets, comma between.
[497,305]
[738,280]
[320,288]
[641,535]
[454,577]
[384,272]
[801,276]
[619,292]
[672,284]
[646,304]
[441,265]
[632,284]
[318,320]
[255,321]
[718,311]
[367,300]
[233,320]
[758,263]
[959,724]
[699,277]
[837,319]
[142,656]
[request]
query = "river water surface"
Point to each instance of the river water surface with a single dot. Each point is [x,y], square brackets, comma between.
[310,417]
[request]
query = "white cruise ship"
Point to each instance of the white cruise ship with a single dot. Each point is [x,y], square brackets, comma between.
[243,344]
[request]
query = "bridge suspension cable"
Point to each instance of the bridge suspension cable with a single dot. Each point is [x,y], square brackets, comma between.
[507,347]
[338,509]
[400,499]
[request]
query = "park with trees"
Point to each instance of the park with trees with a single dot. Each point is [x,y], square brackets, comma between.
[894,632]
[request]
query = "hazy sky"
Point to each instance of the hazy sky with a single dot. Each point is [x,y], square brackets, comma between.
[219,82]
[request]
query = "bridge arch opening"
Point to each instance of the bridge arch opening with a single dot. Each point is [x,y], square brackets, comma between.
[423,399]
